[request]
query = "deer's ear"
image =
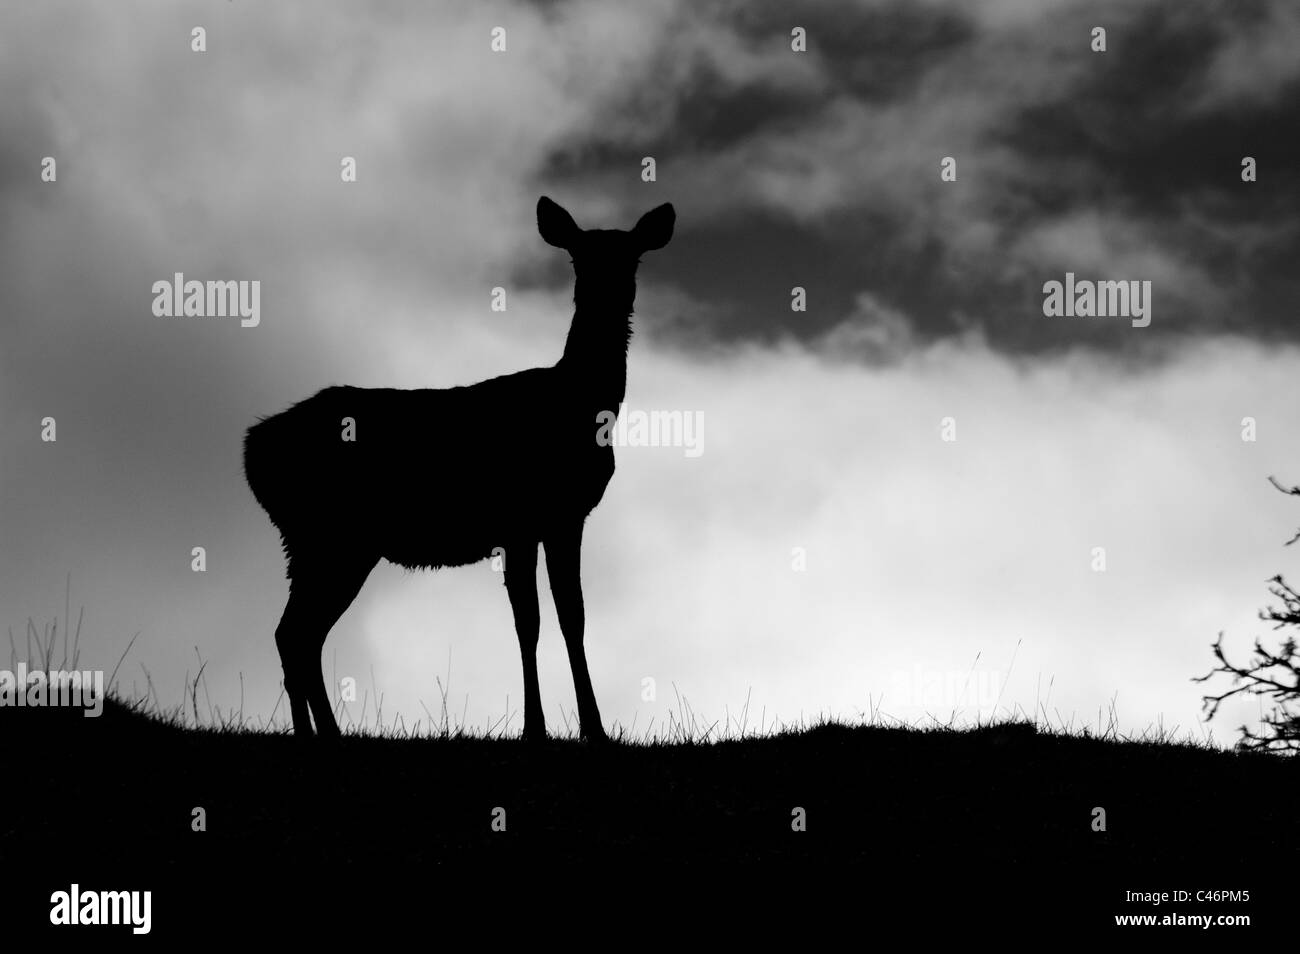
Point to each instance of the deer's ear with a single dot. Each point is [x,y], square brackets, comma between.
[655,227]
[555,225]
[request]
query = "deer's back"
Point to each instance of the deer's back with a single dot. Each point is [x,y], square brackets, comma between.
[431,477]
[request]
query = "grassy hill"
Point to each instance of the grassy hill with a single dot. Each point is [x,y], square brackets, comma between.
[997,818]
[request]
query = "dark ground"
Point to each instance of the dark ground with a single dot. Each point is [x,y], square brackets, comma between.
[991,828]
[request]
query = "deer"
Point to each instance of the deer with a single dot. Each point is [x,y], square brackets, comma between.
[429,478]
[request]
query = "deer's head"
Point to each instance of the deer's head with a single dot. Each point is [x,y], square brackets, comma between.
[608,255]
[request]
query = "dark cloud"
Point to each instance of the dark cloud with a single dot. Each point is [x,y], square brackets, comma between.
[1124,164]
[877,53]
[1128,140]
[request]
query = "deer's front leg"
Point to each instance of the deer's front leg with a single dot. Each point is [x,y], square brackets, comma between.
[563,566]
[521,585]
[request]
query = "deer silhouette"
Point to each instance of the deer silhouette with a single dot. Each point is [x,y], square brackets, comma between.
[431,478]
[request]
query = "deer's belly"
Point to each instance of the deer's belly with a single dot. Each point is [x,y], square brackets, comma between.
[457,523]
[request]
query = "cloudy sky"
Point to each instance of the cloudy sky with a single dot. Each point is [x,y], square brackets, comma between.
[822,428]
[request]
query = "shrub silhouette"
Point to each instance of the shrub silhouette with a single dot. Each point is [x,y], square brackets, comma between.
[1274,676]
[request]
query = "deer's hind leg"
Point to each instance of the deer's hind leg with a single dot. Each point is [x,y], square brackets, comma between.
[321,588]
[521,585]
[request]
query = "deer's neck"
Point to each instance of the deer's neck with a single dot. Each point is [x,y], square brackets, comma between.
[595,353]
